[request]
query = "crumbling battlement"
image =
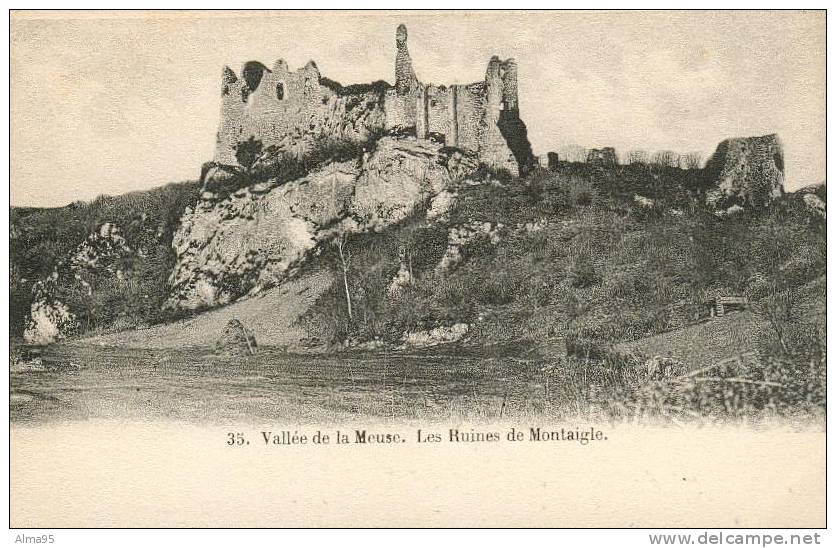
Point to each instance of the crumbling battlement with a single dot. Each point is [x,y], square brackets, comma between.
[293,110]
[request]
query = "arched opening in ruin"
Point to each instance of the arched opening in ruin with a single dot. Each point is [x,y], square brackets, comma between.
[280,91]
[252,73]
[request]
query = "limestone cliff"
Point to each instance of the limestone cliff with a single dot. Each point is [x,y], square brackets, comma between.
[252,239]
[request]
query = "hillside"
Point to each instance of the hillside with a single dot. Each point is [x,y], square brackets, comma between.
[599,277]
[47,241]
[584,252]
[571,253]
[704,343]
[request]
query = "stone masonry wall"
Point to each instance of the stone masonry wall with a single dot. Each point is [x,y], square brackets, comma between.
[293,110]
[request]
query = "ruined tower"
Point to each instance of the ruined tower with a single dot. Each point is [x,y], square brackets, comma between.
[509,82]
[482,117]
[405,80]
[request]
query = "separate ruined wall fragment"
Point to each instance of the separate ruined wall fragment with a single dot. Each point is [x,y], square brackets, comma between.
[746,171]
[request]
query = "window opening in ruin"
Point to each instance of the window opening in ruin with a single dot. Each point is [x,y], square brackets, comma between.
[280,91]
[253,71]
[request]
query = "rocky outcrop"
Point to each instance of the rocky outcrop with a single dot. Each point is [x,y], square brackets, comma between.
[460,236]
[50,320]
[436,336]
[236,340]
[103,255]
[747,171]
[402,174]
[250,240]
[247,241]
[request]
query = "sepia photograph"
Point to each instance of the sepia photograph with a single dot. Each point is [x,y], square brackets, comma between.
[561,269]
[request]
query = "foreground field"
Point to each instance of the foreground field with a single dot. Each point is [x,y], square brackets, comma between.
[196,386]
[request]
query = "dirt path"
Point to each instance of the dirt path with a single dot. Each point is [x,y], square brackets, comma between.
[703,343]
[270,316]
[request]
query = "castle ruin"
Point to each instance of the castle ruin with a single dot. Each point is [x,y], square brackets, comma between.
[293,111]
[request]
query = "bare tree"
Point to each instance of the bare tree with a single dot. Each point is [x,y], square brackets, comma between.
[339,242]
[573,153]
[666,158]
[636,156]
[691,160]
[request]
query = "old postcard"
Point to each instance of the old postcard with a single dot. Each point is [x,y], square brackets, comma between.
[417,269]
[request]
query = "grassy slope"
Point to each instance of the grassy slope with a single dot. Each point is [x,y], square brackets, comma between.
[602,268]
[704,343]
[736,333]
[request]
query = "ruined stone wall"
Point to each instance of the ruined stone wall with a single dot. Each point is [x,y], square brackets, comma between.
[291,110]
[493,150]
[482,117]
[509,85]
[405,80]
[421,113]
[439,103]
[746,171]
[602,157]
[470,109]
[400,110]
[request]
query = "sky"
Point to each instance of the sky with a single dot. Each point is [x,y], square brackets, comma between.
[112,103]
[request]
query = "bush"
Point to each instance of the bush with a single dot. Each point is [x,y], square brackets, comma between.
[497,288]
[583,273]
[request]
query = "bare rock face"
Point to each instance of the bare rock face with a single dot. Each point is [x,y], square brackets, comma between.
[402,174]
[49,321]
[236,340]
[436,336]
[248,241]
[251,240]
[746,171]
